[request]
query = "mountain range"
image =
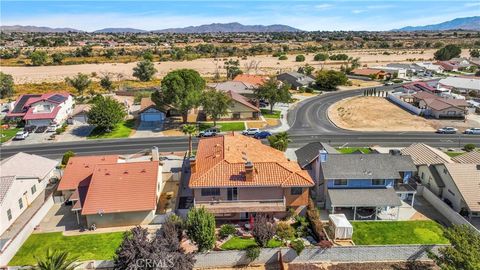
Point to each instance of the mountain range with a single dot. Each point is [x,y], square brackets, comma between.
[467,23]
[38,29]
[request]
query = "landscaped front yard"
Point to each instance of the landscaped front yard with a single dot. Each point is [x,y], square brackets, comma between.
[238,243]
[7,134]
[398,232]
[349,150]
[122,130]
[224,126]
[99,246]
[266,113]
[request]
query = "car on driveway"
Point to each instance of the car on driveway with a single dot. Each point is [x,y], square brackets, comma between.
[447,130]
[21,135]
[473,131]
[53,128]
[209,132]
[262,135]
[250,131]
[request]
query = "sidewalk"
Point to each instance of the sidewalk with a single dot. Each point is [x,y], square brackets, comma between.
[284,108]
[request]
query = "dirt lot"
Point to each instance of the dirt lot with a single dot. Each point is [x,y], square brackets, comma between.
[207,66]
[378,114]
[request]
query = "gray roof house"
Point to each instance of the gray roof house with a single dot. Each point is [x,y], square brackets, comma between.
[295,79]
[242,88]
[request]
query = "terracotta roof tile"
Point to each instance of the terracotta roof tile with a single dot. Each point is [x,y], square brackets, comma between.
[122,187]
[221,163]
[251,79]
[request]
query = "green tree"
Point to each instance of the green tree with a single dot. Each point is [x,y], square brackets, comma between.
[462,253]
[307,69]
[80,82]
[67,156]
[233,68]
[189,130]
[201,228]
[6,85]
[300,58]
[181,89]
[273,91]
[330,79]
[106,113]
[215,104]
[57,58]
[144,70]
[320,57]
[474,53]
[38,58]
[110,53]
[148,55]
[56,260]
[283,57]
[279,141]
[448,52]
[469,147]
[106,83]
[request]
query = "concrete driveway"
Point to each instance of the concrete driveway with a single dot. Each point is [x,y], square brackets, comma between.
[148,129]
[32,138]
[75,132]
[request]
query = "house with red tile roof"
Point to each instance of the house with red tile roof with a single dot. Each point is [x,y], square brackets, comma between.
[107,191]
[440,107]
[369,72]
[42,110]
[254,80]
[235,176]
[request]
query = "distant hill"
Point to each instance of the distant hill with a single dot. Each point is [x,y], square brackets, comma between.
[230,28]
[40,29]
[468,23]
[120,30]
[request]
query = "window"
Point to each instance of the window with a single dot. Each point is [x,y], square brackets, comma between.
[423,175]
[236,115]
[296,191]
[34,189]
[20,203]
[210,192]
[378,182]
[340,182]
[9,214]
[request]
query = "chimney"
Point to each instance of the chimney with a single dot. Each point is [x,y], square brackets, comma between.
[323,155]
[193,165]
[249,171]
[155,155]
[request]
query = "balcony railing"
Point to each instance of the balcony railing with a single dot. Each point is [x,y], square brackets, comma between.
[240,206]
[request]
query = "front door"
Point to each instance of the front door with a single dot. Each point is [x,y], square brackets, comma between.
[232,194]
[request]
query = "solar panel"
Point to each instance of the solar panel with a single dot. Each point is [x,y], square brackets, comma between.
[19,106]
[57,98]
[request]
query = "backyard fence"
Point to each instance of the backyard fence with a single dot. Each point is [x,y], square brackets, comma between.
[452,216]
[409,107]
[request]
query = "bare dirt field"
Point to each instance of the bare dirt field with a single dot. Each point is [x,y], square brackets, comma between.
[207,66]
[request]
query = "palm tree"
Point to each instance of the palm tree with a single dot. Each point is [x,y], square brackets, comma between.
[279,141]
[56,260]
[189,130]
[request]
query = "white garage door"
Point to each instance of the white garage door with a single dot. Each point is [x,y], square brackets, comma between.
[152,117]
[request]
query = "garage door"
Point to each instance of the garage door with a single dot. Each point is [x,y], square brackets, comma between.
[80,119]
[151,117]
[39,122]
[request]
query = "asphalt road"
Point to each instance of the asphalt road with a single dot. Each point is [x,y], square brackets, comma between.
[308,121]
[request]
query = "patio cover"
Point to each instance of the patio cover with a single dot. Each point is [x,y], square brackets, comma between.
[342,227]
[380,197]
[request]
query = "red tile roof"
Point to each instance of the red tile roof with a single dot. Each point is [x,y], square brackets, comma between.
[241,99]
[79,170]
[220,163]
[122,187]
[251,79]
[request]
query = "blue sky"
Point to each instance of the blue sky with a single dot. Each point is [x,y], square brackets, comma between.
[306,15]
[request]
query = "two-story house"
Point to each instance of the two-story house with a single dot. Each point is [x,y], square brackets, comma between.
[235,176]
[355,181]
[42,110]
[23,177]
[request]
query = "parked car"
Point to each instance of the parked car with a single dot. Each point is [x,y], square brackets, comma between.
[262,135]
[472,131]
[52,128]
[388,83]
[447,130]
[41,129]
[209,132]
[21,135]
[30,129]
[250,131]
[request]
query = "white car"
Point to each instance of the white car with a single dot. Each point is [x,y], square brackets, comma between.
[52,128]
[472,131]
[21,135]
[250,131]
[447,130]
[209,132]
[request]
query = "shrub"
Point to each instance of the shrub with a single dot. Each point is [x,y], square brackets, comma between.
[469,147]
[314,218]
[253,253]
[67,156]
[263,230]
[320,57]
[285,231]
[300,58]
[200,226]
[282,57]
[298,246]
[226,230]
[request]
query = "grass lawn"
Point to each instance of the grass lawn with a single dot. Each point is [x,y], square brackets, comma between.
[266,113]
[7,134]
[238,243]
[454,154]
[99,246]
[224,126]
[349,150]
[122,130]
[398,232]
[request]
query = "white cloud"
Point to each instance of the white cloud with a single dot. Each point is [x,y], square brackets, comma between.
[323,6]
[358,11]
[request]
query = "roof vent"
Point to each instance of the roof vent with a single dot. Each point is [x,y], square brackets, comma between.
[107,173]
[125,172]
[143,170]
